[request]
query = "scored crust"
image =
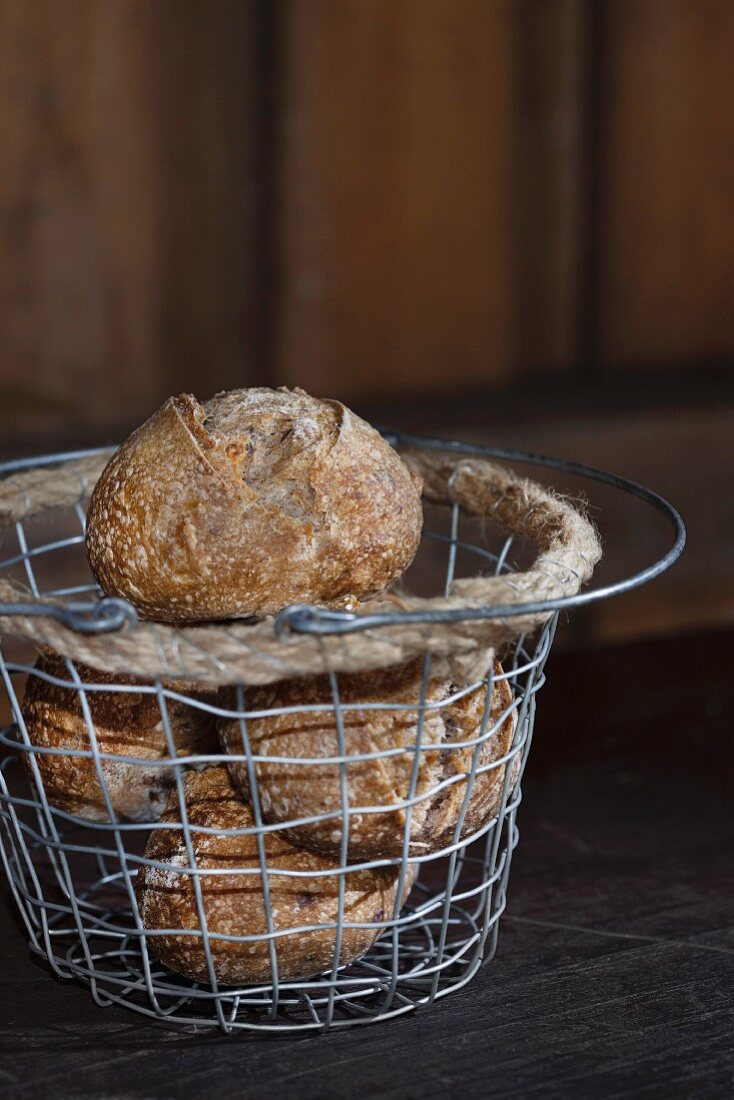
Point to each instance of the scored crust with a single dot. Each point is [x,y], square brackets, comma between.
[253,501]
[233,904]
[289,791]
[126,723]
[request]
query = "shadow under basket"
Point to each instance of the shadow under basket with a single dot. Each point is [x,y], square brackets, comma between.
[501,557]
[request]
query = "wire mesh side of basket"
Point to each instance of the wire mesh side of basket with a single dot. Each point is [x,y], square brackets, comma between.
[73,882]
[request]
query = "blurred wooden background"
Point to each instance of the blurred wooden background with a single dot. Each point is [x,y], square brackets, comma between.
[503,220]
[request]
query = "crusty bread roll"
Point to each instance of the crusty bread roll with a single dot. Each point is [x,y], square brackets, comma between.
[233,904]
[127,723]
[257,499]
[291,791]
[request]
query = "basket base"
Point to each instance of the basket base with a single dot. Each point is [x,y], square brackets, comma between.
[445,933]
[400,973]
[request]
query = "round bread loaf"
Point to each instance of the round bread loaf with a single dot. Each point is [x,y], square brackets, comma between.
[289,791]
[126,723]
[233,904]
[257,499]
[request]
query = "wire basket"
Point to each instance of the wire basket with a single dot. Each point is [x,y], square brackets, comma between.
[397,923]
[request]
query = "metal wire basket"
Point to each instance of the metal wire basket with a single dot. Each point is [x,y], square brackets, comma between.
[76,881]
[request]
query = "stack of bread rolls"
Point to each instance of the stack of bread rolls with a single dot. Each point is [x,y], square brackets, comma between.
[238,507]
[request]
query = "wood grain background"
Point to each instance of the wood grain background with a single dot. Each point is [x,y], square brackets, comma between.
[497,218]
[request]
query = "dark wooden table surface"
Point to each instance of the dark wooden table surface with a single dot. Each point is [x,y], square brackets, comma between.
[615,970]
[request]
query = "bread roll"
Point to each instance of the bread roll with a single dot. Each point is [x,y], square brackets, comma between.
[291,791]
[257,499]
[233,904]
[127,723]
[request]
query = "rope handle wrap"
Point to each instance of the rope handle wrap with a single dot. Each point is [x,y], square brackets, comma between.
[376,636]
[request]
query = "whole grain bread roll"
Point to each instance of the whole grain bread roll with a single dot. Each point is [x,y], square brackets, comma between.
[255,500]
[289,791]
[126,723]
[233,904]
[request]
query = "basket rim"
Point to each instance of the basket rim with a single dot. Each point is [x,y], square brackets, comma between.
[112,614]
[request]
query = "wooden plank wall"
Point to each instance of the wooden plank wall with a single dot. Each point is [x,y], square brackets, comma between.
[394,197]
[397,194]
[79,285]
[665,218]
[127,243]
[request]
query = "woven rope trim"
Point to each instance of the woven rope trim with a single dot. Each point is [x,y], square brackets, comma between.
[568,549]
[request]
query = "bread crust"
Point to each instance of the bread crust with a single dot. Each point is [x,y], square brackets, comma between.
[256,500]
[291,791]
[233,904]
[127,724]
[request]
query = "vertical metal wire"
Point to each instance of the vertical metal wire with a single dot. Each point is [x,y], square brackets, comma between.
[343,845]
[113,818]
[407,831]
[502,559]
[56,839]
[451,873]
[27,560]
[261,852]
[451,559]
[191,856]
[505,823]
[38,781]
[101,780]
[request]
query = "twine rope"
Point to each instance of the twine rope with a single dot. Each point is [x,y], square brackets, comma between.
[567,543]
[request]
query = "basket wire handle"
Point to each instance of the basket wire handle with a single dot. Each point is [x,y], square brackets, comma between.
[479,612]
